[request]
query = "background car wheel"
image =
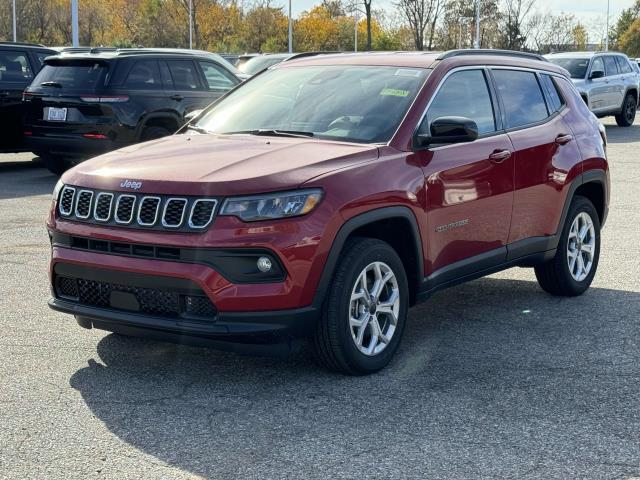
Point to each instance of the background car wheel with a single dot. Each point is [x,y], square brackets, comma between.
[365,311]
[153,133]
[572,269]
[628,114]
[56,164]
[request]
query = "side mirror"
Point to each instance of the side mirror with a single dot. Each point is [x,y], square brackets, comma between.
[596,74]
[448,130]
[191,115]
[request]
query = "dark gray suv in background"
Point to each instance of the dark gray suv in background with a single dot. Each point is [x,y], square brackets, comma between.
[606,81]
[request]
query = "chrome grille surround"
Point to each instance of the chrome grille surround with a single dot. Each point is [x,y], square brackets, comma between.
[83,204]
[99,205]
[197,223]
[170,212]
[117,216]
[142,206]
[66,203]
[137,210]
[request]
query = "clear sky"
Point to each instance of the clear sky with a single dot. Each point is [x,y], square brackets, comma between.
[586,10]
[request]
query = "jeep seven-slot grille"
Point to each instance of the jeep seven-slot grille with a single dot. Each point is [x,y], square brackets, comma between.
[150,301]
[136,210]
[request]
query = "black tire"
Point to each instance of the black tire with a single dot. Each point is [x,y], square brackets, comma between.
[555,276]
[56,164]
[333,341]
[628,114]
[153,133]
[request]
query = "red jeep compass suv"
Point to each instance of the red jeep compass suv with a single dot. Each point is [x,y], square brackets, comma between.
[325,196]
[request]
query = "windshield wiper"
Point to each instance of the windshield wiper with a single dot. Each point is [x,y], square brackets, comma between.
[51,84]
[198,129]
[269,132]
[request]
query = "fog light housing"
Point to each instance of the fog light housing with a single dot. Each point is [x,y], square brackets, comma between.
[264,264]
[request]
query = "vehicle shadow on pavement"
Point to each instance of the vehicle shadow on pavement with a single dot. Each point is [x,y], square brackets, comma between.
[494,377]
[617,134]
[25,179]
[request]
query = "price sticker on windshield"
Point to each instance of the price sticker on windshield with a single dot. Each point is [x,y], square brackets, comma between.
[394,92]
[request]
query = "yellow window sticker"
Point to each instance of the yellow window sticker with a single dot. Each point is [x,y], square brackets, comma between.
[394,92]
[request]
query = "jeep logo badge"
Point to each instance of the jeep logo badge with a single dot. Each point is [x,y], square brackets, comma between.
[131,184]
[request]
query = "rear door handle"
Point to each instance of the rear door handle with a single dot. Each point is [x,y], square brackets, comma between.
[176,97]
[499,156]
[563,139]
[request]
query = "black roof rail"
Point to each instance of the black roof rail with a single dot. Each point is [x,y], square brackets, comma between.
[487,51]
[23,44]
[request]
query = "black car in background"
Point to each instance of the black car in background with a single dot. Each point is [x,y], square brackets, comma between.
[84,104]
[19,63]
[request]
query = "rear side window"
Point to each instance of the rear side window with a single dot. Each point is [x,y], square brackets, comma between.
[183,74]
[464,94]
[521,96]
[14,67]
[217,77]
[623,65]
[144,75]
[553,97]
[75,75]
[610,65]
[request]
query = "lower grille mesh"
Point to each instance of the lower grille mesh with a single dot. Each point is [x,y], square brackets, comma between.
[151,301]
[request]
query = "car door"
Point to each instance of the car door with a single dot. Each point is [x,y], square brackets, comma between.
[615,83]
[469,186]
[545,153]
[16,74]
[598,87]
[184,86]
[627,74]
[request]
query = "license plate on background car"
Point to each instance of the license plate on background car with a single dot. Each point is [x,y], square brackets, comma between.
[57,114]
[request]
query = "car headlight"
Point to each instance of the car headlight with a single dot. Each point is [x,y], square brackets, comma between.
[56,190]
[272,205]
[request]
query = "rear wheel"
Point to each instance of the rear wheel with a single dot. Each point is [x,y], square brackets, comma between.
[56,164]
[571,271]
[365,311]
[153,133]
[628,114]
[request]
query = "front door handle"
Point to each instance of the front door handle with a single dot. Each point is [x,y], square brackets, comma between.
[499,156]
[177,97]
[563,139]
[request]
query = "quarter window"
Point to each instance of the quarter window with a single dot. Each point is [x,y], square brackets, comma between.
[464,94]
[521,96]
[555,101]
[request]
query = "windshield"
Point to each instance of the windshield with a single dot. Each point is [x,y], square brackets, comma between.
[577,67]
[71,75]
[362,104]
[257,64]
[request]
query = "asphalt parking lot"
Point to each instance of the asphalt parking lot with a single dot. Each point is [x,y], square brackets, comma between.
[495,378]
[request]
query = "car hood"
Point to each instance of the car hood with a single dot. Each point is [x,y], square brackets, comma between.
[217,164]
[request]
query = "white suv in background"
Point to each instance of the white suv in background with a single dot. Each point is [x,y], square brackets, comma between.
[607,82]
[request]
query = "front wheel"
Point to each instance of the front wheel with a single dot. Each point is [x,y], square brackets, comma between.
[365,311]
[574,265]
[628,114]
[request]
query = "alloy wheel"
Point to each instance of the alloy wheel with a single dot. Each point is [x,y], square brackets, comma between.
[581,246]
[374,308]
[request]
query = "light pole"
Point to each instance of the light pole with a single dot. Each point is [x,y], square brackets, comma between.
[290,30]
[190,24]
[476,43]
[355,30]
[606,37]
[15,36]
[74,22]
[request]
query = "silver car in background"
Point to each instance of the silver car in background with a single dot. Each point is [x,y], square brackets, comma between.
[607,82]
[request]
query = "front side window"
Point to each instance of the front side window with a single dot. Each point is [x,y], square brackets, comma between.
[14,67]
[463,94]
[598,65]
[521,96]
[217,78]
[353,103]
